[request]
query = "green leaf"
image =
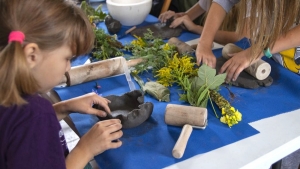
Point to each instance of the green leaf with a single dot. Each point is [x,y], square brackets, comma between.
[217,81]
[204,102]
[206,73]
[198,82]
[138,80]
[202,96]
[201,90]
[183,97]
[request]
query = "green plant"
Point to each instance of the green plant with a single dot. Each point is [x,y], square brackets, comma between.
[230,115]
[94,15]
[197,88]
[106,46]
[154,51]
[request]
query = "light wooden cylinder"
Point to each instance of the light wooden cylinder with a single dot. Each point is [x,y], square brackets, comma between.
[81,74]
[181,46]
[95,70]
[179,115]
[181,143]
[260,69]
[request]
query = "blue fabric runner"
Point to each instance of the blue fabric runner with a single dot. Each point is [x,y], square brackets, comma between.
[150,144]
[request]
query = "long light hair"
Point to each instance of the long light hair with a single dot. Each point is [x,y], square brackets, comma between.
[268,20]
[48,23]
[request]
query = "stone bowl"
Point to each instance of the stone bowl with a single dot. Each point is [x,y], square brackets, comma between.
[129,12]
[129,108]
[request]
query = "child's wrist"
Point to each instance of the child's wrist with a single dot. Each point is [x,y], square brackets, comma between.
[267,52]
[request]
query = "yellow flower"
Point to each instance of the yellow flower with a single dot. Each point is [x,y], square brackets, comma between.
[165,76]
[230,116]
[223,111]
[138,42]
[223,119]
[175,69]
[166,47]
[238,115]
[174,62]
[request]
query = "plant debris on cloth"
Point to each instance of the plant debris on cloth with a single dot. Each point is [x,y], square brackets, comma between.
[153,50]
[106,46]
[157,90]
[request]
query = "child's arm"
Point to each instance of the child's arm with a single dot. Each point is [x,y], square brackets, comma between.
[97,140]
[214,19]
[221,37]
[193,13]
[82,104]
[234,66]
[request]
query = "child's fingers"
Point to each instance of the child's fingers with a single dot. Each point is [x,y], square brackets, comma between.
[103,102]
[113,127]
[109,122]
[116,135]
[98,112]
[115,144]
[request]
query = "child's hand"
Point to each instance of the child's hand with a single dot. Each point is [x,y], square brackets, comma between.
[165,16]
[169,14]
[82,104]
[101,137]
[205,56]
[186,21]
[235,65]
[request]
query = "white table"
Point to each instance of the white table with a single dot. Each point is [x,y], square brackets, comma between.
[279,136]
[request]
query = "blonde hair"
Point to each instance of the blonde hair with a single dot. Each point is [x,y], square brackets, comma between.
[49,24]
[268,20]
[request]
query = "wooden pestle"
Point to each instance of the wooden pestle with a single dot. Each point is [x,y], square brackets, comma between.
[260,69]
[187,116]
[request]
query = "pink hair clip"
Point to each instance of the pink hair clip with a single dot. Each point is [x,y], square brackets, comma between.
[16,36]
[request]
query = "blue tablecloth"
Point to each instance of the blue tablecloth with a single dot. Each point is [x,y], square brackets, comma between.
[150,144]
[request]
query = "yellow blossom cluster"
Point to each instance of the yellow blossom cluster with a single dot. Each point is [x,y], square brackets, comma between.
[138,41]
[166,47]
[230,116]
[175,70]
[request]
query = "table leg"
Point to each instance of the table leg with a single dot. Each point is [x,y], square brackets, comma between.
[276,165]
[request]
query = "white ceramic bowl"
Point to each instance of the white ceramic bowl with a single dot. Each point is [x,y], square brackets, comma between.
[129,12]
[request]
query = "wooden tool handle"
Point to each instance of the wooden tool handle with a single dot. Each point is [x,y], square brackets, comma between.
[180,145]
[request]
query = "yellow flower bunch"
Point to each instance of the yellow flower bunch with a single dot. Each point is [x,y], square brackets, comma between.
[165,76]
[138,41]
[230,115]
[166,47]
[175,70]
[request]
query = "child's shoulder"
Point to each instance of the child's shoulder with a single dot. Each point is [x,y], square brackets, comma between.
[37,105]
[37,113]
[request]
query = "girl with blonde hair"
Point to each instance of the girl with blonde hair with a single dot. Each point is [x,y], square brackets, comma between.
[270,31]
